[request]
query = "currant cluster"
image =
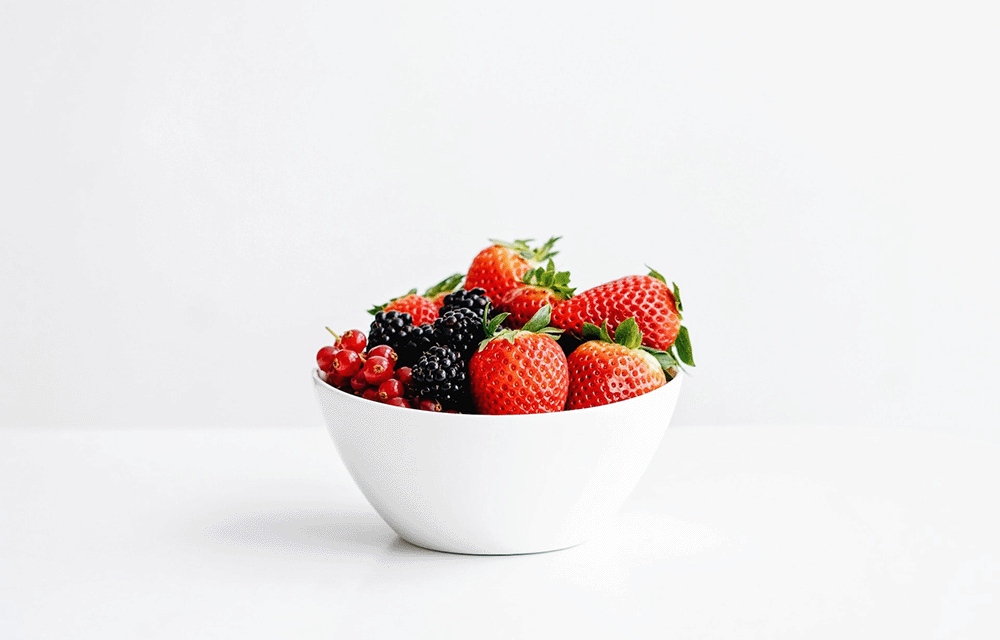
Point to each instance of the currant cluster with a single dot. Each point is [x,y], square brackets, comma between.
[371,374]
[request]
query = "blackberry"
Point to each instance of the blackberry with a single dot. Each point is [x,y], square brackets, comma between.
[391,328]
[418,340]
[441,374]
[461,329]
[475,299]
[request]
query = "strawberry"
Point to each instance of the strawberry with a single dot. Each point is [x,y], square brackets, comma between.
[654,305]
[539,287]
[499,268]
[423,308]
[602,371]
[438,300]
[519,371]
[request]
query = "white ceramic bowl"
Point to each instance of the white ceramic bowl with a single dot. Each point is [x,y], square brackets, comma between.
[496,484]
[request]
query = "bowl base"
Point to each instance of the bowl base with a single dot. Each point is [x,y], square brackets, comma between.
[488,553]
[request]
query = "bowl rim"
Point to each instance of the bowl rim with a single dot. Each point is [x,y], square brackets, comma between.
[677,373]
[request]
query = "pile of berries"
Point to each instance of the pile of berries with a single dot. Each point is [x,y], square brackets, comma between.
[516,338]
[371,374]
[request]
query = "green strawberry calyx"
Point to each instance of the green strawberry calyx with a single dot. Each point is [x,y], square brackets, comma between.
[539,323]
[548,278]
[379,307]
[522,248]
[681,348]
[628,335]
[447,285]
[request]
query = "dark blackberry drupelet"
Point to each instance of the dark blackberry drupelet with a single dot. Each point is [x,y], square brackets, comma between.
[391,328]
[461,329]
[441,374]
[475,299]
[418,340]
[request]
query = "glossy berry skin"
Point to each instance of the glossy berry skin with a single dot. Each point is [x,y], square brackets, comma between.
[391,388]
[341,382]
[474,299]
[602,372]
[648,300]
[377,370]
[371,393]
[421,309]
[404,375]
[358,381]
[354,340]
[523,302]
[384,351]
[324,358]
[390,328]
[496,270]
[429,405]
[346,363]
[441,375]
[528,375]
[461,329]
[399,402]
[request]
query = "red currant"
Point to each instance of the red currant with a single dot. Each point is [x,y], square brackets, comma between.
[399,402]
[358,382]
[336,380]
[371,393]
[346,362]
[391,388]
[377,370]
[324,358]
[353,340]
[384,351]
[404,375]
[429,405]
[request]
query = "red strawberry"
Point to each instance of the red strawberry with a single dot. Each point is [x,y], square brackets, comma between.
[602,371]
[522,371]
[655,307]
[438,300]
[423,308]
[499,268]
[539,287]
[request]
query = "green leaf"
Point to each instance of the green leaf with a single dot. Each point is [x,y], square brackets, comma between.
[628,335]
[683,344]
[545,251]
[591,331]
[539,320]
[492,326]
[447,285]
[605,335]
[379,307]
[677,298]
[656,274]
[664,358]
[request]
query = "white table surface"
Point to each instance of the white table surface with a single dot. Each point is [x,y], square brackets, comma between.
[734,532]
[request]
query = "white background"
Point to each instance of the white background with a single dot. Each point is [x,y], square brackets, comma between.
[191,190]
